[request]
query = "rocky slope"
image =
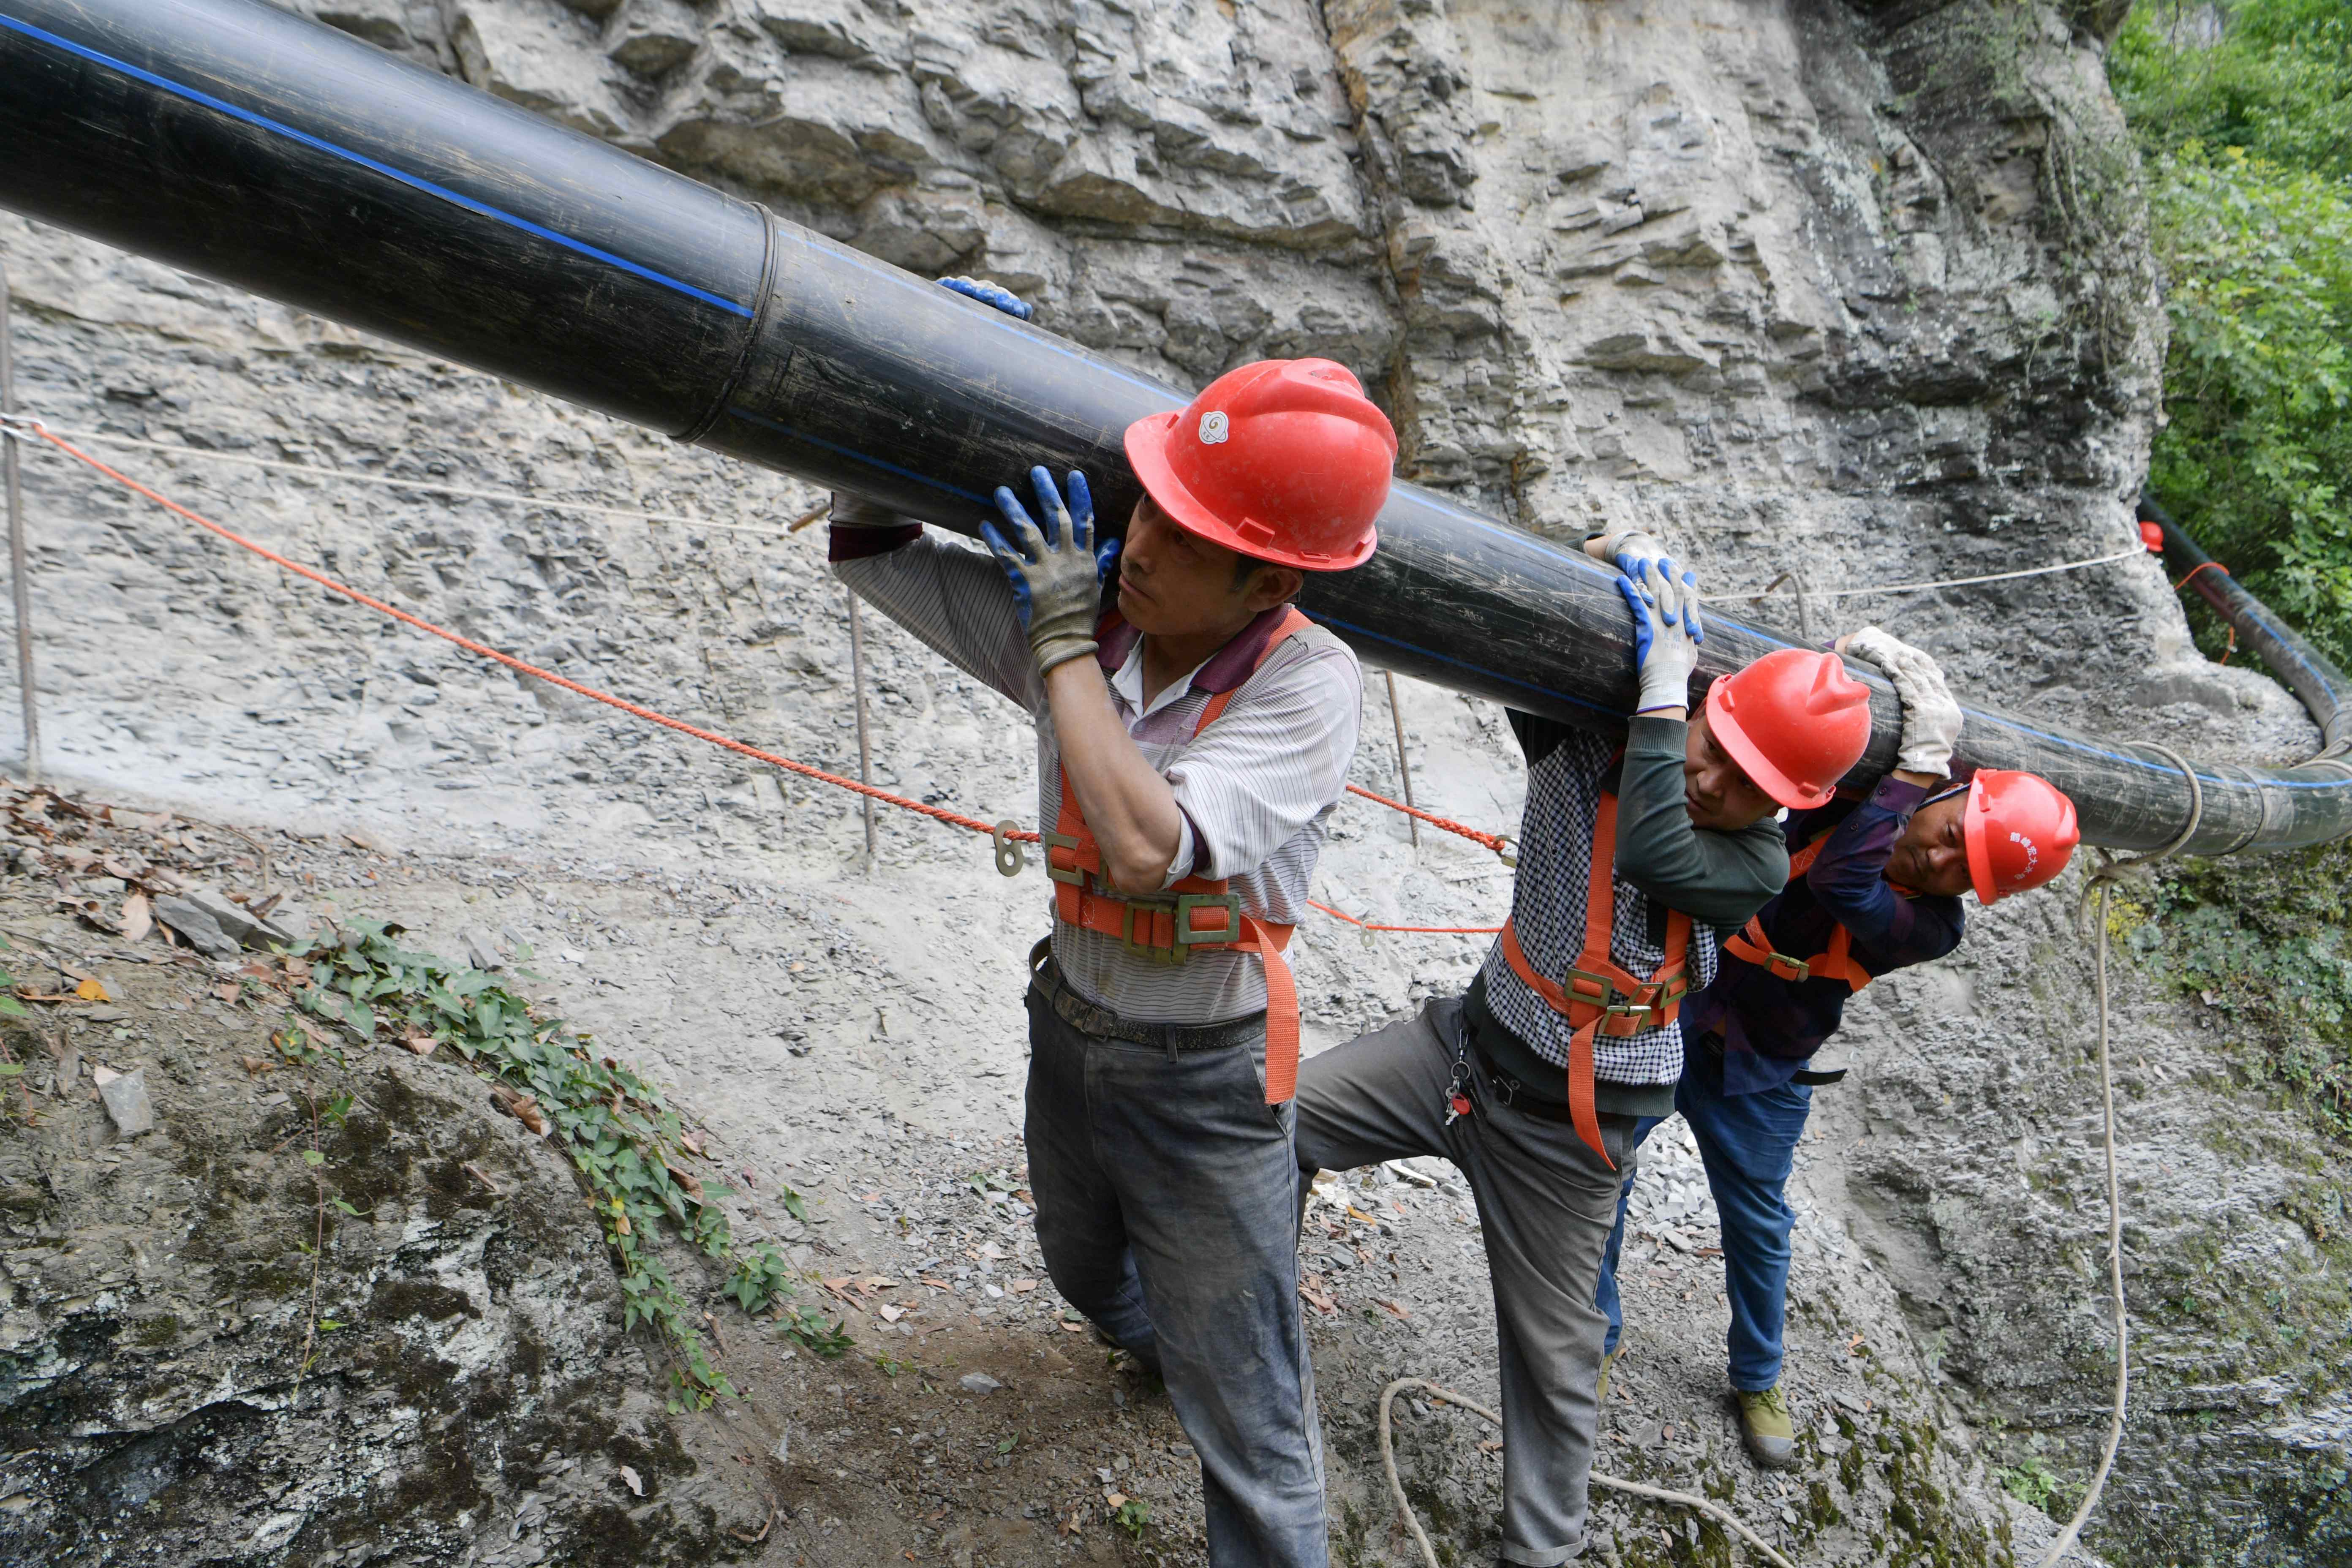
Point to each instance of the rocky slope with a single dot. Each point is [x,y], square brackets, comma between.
[1852,289]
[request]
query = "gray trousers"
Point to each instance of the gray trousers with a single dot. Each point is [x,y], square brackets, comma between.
[1167,1199]
[1545,1205]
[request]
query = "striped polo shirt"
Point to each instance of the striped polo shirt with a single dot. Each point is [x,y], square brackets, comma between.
[1256,788]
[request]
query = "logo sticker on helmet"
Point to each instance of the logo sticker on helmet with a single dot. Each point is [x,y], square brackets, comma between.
[1212,426]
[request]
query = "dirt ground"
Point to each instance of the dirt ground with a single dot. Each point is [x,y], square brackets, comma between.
[973,1420]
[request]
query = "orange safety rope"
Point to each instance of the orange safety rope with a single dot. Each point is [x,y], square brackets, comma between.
[470,645]
[1494,841]
[1497,842]
[1424,931]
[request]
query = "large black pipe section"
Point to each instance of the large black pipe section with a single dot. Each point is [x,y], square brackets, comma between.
[237,141]
[2310,673]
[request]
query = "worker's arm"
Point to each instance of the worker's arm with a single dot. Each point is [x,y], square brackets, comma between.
[1716,879]
[947,594]
[1848,877]
[1130,809]
[1054,572]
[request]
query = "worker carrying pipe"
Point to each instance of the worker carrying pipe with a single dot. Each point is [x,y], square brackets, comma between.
[1538,1082]
[1192,745]
[1874,885]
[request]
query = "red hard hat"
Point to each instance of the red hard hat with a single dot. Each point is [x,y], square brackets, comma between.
[1284,460]
[1794,720]
[2019,830]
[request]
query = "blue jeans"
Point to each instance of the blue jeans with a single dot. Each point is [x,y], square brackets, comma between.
[1749,1143]
[1167,1199]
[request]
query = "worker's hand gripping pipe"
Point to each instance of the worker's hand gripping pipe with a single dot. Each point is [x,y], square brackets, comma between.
[251,145]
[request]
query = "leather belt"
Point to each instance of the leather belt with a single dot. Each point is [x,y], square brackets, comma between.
[1100,1023]
[1510,1091]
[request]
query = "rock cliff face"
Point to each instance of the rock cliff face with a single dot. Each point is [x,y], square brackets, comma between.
[1849,289]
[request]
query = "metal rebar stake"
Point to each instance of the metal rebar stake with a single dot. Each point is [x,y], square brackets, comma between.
[1405,764]
[857,679]
[19,586]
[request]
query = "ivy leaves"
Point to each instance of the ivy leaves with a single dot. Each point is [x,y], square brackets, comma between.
[623,1137]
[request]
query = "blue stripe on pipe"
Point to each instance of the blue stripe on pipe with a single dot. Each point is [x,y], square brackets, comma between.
[484,209]
[480,209]
[983,502]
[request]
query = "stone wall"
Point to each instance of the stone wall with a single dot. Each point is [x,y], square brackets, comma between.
[1856,290]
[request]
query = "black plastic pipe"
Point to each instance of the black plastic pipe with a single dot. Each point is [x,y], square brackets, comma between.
[2310,673]
[237,141]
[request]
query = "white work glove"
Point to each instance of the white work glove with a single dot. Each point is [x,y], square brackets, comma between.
[1931,717]
[1056,572]
[1666,632]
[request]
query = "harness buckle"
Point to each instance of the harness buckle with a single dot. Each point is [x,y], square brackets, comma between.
[1077,875]
[1146,948]
[1625,1018]
[1607,999]
[1780,966]
[1186,903]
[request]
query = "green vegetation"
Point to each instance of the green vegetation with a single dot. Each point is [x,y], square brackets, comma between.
[2247,137]
[2263,940]
[2033,1483]
[626,1143]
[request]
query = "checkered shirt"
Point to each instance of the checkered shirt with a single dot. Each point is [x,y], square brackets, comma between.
[1547,908]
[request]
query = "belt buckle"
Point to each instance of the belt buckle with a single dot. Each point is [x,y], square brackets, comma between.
[1187,902]
[1144,950]
[1635,1017]
[1077,875]
[1609,992]
[1783,967]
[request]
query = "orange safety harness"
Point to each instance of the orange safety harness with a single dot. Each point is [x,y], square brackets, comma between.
[1601,997]
[1752,946]
[1195,914]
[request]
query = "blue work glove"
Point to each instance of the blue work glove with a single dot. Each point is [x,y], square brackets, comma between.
[1676,597]
[1666,645]
[1055,571]
[987,293]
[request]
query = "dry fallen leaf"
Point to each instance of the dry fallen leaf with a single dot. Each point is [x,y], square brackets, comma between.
[256,1065]
[690,1143]
[420,1044]
[298,969]
[633,1481]
[92,990]
[1391,1306]
[228,991]
[890,1314]
[138,918]
[1023,1287]
[1114,1499]
[522,1107]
